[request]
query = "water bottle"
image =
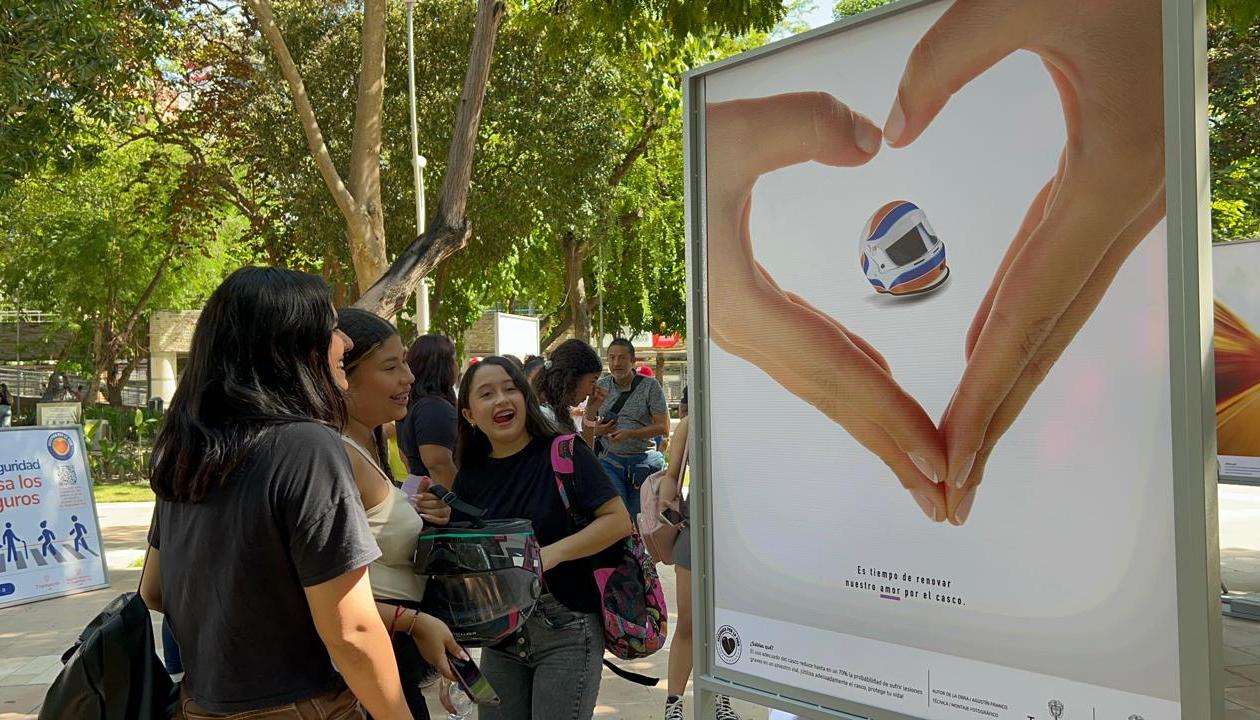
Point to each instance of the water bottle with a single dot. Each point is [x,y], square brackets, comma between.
[457,703]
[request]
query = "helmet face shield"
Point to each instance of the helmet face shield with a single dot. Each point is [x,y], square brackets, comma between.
[482,580]
[900,253]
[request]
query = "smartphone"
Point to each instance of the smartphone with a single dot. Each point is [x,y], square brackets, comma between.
[472,682]
[672,517]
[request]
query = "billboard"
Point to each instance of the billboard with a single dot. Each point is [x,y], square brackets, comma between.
[1236,281]
[940,424]
[50,541]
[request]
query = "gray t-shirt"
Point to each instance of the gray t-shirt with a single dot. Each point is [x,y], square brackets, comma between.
[648,399]
[234,568]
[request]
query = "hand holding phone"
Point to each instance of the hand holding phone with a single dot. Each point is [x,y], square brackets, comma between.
[472,682]
[671,516]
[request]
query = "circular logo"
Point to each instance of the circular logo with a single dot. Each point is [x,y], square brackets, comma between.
[729,647]
[60,446]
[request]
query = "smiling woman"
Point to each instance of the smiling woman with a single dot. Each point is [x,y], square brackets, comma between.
[504,459]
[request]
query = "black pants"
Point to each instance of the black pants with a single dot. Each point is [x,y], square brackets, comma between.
[414,672]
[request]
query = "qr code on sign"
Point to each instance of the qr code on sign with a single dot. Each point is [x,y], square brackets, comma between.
[66,475]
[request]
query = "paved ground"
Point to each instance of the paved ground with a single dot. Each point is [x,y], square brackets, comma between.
[32,637]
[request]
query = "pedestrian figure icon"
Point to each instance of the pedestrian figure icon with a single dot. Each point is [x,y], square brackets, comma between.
[10,540]
[47,537]
[78,533]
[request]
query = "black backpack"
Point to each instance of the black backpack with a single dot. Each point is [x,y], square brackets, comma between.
[112,672]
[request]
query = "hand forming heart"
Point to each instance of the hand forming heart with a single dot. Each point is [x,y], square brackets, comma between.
[1106,61]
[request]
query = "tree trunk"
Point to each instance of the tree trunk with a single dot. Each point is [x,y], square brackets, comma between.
[575,285]
[450,230]
[367,235]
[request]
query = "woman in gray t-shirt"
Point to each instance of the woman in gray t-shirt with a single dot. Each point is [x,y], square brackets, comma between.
[259,544]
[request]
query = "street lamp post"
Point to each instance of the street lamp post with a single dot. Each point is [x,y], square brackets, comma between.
[417,168]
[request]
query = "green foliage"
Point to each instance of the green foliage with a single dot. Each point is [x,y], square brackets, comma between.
[1234,130]
[845,8]
[86,244]
[66,65]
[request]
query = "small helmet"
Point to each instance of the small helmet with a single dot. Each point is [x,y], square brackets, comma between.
[900,253]
[481,579]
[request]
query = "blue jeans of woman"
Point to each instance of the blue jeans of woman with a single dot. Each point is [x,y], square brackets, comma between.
[628,472]
[550,670]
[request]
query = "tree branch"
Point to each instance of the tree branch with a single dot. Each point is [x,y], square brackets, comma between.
[634,153]
[305,111]
[450,231]
[459,158]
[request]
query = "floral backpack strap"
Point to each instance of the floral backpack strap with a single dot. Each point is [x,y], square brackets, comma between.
[562,467]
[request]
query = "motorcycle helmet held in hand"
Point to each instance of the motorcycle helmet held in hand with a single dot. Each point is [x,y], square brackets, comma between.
[482,578]
[900,253]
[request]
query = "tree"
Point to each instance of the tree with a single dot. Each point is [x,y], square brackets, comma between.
[65,66]
[1234,130]
[100,246]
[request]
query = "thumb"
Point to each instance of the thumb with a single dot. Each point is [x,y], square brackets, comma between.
[971,37]
[426,482]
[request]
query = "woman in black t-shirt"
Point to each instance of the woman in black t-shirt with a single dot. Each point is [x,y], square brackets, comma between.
[426,437]
[259,546]
[550,669]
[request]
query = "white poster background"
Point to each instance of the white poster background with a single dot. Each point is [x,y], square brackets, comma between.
[44,479]
[1066,564]
[1236,284]
[515,335]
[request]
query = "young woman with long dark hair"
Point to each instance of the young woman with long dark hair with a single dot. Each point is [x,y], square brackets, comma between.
[566,379]
[380,385]
[426,436]
[550,669]
[259,546]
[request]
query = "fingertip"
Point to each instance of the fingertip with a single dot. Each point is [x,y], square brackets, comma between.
[866,134]
[895,125]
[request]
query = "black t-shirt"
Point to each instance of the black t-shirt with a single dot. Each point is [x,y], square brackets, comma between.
[524,486]
[430,420]
[233,568]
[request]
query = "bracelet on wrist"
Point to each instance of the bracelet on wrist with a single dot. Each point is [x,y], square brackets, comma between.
[414,617]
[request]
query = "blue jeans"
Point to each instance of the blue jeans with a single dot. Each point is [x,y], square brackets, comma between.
[550,670]
[628,472]
[6,415]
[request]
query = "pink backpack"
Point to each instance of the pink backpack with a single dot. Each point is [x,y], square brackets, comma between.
[632,600]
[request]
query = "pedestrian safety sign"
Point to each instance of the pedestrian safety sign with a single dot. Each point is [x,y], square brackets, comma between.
[50,540]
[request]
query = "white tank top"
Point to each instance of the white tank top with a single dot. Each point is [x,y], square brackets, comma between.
[395,524]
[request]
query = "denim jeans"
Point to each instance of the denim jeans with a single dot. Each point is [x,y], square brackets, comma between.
[6,415]
[336,705]
[550,670]
[628,472]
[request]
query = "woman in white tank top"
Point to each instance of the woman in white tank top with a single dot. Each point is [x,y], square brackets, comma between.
[380,385]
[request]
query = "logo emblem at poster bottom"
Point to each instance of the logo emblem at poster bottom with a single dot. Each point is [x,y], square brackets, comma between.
[1056,709]
[60,446]
[729,646]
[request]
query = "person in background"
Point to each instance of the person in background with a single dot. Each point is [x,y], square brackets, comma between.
[533,364]
[380,386]
[6,406]
[550,669]
[566,380]
[680,656]
[627,410]
[426,436]
[259,545]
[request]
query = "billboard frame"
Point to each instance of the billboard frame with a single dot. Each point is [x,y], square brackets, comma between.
[1192,387]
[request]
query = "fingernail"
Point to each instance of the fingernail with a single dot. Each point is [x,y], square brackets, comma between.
[927,506]
[924,467]
[964,507]
[896,123]
[964,471]
[866,135]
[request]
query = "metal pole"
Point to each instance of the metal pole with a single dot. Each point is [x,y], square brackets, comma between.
[417,167]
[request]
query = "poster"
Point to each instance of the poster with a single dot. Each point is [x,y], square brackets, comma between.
[938,382]
[50,541]
[1236,281]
